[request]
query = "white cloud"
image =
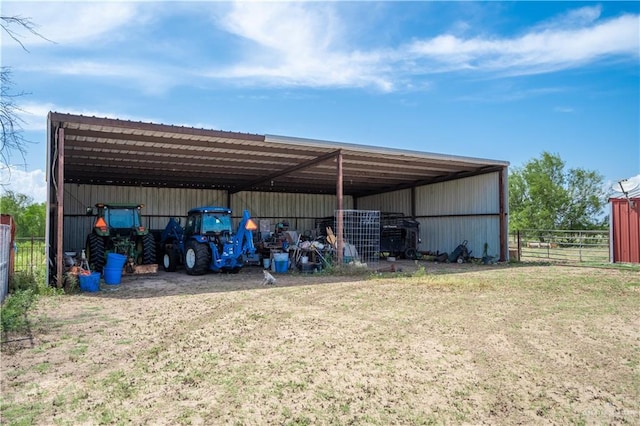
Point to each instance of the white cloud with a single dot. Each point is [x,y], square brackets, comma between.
[34,115]
[534,52]
[93,69]
[574,18]
[311,44]
[298,44]
[68,22]
[149,77]
[308,44]
[32,184]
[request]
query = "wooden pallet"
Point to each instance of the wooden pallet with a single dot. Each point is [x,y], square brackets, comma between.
[145,269]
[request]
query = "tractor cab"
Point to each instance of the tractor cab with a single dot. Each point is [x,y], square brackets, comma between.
[210,221]
[213,223]
[114,219]
[118,229]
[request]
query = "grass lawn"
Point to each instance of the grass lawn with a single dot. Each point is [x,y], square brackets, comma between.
[455,344]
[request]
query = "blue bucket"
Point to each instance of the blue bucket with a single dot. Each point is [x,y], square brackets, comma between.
[115,260]
[112,276]
[282,266]
[90,282]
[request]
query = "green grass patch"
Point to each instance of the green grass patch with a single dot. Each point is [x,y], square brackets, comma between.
[77,352]
[13,316]
[20,414]
[24,290]
[119,385]
[42,368]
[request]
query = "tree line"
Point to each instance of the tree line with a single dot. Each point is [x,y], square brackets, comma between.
[30,217]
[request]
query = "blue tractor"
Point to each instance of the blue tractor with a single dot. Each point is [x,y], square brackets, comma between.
[207,242]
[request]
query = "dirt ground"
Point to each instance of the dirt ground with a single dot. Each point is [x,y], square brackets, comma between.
[456,344]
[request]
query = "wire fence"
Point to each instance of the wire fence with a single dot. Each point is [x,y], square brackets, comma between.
[30,254]
[560,245]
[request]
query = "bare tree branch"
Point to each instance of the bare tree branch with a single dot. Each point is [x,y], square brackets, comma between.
[9,23]
[10,121]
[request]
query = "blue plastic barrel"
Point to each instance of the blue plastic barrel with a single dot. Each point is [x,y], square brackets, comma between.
[282,266]
[90,282]
[112,276]
[115,260]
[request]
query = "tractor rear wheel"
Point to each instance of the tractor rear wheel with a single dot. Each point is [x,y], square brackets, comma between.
[196,258]
[94,250]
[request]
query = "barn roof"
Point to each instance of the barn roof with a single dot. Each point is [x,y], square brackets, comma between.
[121,152]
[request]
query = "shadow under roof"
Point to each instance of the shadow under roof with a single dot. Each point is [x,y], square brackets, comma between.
[106,151]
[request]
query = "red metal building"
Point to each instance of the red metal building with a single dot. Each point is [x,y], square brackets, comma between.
[625,229]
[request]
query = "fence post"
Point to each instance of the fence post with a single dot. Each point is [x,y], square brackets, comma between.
[580,245]
[548,238]
[31,256]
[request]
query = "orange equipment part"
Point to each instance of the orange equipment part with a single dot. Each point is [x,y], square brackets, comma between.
[101,223]
[251,225]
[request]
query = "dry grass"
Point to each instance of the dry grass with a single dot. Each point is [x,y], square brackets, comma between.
[461,344]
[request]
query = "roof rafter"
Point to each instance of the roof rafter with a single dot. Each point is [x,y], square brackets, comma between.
[288,170]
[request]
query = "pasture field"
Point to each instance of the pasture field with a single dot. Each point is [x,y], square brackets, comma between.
[436,343]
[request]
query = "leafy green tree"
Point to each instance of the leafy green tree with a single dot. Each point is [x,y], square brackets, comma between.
[542,195]
[29,216]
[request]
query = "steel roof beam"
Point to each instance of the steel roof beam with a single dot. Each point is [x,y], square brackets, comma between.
[288,170]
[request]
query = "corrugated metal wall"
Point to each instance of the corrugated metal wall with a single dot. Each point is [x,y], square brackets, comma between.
[464,209]
[389,202]
[299,210]
[473,195]
[625,234]
[450,212]
[444,234]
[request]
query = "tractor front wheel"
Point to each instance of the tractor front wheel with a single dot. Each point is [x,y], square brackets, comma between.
[170,259]
[196,258]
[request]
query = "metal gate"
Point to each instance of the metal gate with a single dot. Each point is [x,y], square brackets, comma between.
[560,245]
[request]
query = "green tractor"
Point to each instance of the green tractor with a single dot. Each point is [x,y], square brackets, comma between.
[118,229]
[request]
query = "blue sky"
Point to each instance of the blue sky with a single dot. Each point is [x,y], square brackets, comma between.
[497,80]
